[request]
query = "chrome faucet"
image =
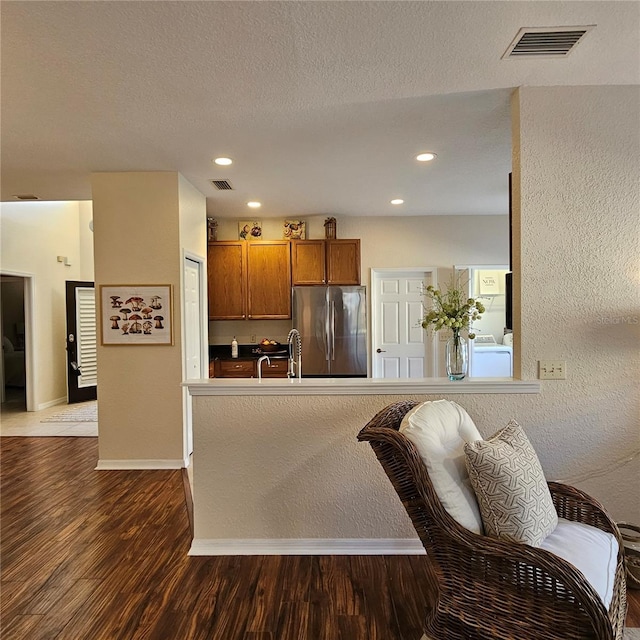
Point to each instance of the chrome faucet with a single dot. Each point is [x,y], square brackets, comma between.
[294,341]
[261,359]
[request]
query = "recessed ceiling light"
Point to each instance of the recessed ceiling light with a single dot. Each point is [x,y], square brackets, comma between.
[223,162]
[397,201]
[254,205]
[425,157]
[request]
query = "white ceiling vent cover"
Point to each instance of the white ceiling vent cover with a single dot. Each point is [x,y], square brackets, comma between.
[545,42]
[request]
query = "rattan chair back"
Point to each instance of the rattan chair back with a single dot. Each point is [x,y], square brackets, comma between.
[486,588]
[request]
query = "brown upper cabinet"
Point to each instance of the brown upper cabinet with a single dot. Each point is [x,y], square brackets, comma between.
[227,280]
[325,262]
[249,280]
[268,280]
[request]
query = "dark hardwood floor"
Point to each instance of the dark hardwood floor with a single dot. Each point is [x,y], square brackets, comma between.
[90,555]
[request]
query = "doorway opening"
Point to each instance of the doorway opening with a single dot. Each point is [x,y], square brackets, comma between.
[491,353]
[16,323]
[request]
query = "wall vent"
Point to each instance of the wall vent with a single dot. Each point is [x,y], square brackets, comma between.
[545,42]
[222,185]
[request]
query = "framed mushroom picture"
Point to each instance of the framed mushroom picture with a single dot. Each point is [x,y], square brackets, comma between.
[136,314]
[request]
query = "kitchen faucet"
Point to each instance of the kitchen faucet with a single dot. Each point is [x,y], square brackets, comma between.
[261,359]
[295,366]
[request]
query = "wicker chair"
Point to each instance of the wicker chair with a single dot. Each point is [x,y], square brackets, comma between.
[489,588]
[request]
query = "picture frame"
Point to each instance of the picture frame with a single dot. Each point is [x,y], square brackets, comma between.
[294,230]
[250,230]
[488,282]
[136,314]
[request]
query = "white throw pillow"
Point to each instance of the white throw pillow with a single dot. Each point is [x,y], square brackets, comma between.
[439,431]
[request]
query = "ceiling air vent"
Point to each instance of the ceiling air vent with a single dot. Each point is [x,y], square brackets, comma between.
[222,185]
[545,42]
[26,196]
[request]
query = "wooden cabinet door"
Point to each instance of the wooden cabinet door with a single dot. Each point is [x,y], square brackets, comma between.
[269,280]
[277,369]
[234,368]
[343,262]
[226,273]
[308,262]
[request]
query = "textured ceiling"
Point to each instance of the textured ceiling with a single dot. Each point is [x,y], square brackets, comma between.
[322,105]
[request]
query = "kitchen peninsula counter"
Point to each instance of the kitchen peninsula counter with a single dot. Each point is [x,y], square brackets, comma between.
[277,468]
[358,386]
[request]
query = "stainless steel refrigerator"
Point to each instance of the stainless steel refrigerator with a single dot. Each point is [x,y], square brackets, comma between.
[332,322]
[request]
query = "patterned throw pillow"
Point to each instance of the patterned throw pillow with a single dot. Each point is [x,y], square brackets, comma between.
[512,492]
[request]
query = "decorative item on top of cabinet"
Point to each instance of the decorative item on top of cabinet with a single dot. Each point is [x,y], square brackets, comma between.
[250,230]
[212,229]
[294,230]
[325,262]
[249,280]
[330,229]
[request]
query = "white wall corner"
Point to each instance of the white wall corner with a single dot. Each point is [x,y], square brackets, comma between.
[51,403]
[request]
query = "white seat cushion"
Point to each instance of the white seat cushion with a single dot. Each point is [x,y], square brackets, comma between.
[590,550]
[439,430]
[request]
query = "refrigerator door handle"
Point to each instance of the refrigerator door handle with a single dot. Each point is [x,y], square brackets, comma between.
[327,332]
[333,330]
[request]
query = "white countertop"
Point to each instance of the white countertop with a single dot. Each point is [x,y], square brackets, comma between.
[356,386]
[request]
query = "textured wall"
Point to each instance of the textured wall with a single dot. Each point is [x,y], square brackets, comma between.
[290,467]
[580,154]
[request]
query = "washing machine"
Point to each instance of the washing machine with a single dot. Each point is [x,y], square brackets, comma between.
[490,359]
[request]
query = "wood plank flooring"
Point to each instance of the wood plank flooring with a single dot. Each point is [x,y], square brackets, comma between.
[90,555]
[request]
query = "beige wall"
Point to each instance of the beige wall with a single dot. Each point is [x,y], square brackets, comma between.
[33,234]
[142,223]
[85,220]
[417,241]
[410,241]
[289,466]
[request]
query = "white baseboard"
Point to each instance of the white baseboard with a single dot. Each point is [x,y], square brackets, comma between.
[51,403]
[307,547]
[123,465]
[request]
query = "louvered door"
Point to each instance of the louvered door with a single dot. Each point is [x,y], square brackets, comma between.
[82,369]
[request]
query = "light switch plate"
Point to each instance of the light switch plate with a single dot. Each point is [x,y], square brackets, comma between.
[553,370]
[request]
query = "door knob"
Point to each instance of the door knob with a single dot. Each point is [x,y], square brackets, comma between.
[380,351]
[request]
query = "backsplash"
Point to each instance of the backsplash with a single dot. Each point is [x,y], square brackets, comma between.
[248,331]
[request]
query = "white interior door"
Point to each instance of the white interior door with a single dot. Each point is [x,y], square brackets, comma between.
[493,319]
[401,347]
[193,337]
